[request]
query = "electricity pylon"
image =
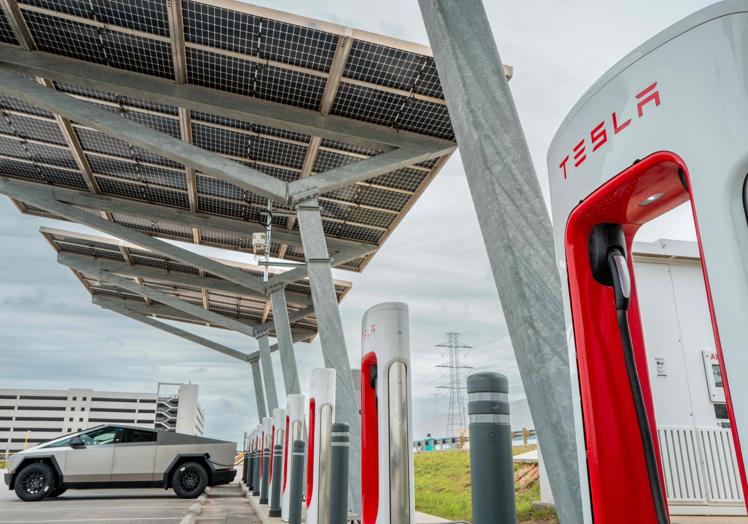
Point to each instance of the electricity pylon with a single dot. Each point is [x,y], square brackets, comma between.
[456,421]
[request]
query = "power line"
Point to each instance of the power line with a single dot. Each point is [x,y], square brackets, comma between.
[456,420]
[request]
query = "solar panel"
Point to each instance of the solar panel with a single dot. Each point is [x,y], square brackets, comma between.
[6,31]
[246,306]
[238,48]
[392,67]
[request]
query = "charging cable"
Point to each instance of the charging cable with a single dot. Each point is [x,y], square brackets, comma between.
[622,288]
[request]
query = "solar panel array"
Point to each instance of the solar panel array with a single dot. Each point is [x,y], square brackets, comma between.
[245,307]
[240,49]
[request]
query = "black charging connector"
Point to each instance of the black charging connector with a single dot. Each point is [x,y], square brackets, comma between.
[607,249]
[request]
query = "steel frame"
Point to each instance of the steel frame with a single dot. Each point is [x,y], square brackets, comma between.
[399,149]
[515,225]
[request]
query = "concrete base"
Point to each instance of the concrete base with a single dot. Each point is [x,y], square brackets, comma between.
[540,506]
[425,518]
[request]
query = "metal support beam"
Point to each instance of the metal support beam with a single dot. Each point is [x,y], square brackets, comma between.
[516,228]
[259,395]
[222,103]
[268,376]
[361,171]
[28,193]
[120,306]
[167,312]
[300,273]
[93,270]
[175,277]
[142,136]
[285,342]
[147,211]
[331,332]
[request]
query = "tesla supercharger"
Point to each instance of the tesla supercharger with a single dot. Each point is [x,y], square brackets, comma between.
[321,411]
[294,431]
[667,125]
[277,438]
[387,492]
[266,443]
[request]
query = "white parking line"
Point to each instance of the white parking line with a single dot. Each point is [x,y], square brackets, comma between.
[88,508]
[128,519]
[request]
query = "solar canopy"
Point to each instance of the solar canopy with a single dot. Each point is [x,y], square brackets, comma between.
[295,64]
[189,284]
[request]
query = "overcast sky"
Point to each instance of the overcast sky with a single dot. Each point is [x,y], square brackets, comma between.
[51,336]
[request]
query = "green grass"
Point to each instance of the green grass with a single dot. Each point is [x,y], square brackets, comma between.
[442,481]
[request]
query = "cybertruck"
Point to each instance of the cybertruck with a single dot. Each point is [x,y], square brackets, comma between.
[118,456]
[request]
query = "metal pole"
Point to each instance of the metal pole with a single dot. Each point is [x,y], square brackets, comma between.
[338,496]
[331,333]
[275,498]
[491,464]
[515,226]
[268,376]
[297,482]
[259,394]
[285,341]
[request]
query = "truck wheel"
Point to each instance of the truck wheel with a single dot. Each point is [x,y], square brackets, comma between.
[190,480]
[34,482]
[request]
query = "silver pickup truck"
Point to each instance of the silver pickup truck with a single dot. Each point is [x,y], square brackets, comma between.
[115,456]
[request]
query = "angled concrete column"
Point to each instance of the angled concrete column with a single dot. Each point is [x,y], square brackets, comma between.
[331,332]
[285,341]
[259,394]
[515,225]
[267,373]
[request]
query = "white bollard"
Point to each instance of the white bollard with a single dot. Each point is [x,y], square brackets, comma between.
[294,431]
[321,416]
[387,495]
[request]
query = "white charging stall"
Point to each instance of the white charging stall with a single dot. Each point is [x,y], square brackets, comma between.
[266,442]
[277,437]
[387,495]
[321,416]
[294,431]
[663,127]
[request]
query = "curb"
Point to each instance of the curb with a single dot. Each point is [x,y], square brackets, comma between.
[195,509]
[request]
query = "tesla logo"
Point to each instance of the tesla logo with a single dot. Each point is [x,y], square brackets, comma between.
[369,332]
[599,135]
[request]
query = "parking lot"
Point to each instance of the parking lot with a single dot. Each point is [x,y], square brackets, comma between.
[112,505]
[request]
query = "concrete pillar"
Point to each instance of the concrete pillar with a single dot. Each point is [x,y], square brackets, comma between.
[515,225]
[285,341]
[331,333]
[259,394]
[268,376]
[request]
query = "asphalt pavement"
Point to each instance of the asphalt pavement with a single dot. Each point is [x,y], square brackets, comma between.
[118,506]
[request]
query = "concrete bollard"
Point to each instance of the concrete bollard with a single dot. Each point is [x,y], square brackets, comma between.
[338,496]
[245,468]
[265,482]
[256,473]
[275,492]
[251,472]
[491,466]
[297,482]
